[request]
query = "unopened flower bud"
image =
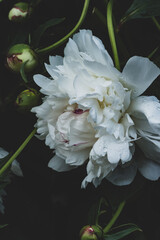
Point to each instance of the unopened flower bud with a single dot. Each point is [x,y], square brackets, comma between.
[19,12]
[19,54]
[91,233]
[27,99]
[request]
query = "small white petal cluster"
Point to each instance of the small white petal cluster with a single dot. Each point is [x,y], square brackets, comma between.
[94,113]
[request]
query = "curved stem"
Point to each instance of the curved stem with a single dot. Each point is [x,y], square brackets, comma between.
[111,34]
[156,23]
[62,40]
[19,150]
[115,216]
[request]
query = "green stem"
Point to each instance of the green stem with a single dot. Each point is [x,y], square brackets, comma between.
[62,40]
[111,34]
[19,150]
[115,216]
[156,23]
[153,52]
[99,15]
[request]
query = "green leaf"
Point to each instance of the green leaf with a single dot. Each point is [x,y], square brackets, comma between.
[123,233]
[4,225]
[22,72]
[38,33]
[96,210]
[142,9]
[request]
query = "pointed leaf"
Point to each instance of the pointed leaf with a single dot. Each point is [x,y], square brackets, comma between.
[123,233]
[4,225]
[142,9]
[22,72]
[96,210]
[38,33]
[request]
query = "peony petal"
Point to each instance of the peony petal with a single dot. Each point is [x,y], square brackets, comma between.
[58,164]
[77,158]
[150,146]
[55,60]
[114,149]
[53,72]
[72,50]
[101,70]
[123,175]
[148,168]
[97,170]
[146,113]
[93,46]
[3,153]
[138,74]
[47,86]
[16,169]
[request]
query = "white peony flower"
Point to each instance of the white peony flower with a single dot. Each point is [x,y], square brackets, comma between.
[92,112]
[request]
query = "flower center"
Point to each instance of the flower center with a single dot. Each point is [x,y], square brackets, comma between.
[78,111]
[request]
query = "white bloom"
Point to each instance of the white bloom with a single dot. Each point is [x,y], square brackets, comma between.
[92,112]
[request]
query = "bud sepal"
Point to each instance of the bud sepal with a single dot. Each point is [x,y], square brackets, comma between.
[20,54]
[27,99]
[91,232]
[20,12]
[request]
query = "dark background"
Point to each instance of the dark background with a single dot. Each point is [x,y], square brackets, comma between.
[50,205]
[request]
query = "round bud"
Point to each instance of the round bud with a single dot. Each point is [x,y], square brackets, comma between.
[19,54]
[19,12]
[27,99]
[91,233]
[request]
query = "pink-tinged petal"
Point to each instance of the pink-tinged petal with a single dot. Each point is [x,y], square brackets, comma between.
[138,74]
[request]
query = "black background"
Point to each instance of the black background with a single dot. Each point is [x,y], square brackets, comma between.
[50,205]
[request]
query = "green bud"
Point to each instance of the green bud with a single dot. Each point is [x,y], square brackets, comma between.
[19,54]
[91,233]
[27,99]
[19,12]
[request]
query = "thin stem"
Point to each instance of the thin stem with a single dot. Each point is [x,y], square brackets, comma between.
[99,15]
[19,150]
[62,40]
[111,34]
[156,23]
[153,52]
[115,216]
